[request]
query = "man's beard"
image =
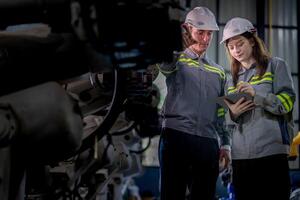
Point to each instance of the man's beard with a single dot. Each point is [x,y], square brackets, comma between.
[198,50]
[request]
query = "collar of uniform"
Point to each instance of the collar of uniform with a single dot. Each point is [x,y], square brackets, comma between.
[243,69]
[194,55]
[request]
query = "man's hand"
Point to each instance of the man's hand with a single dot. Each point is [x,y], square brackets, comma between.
[153,71]
[186,36]
[225,159]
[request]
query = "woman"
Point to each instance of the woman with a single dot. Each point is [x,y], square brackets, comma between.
[262,126]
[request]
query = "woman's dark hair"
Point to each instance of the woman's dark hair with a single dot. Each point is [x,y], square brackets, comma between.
[260,54]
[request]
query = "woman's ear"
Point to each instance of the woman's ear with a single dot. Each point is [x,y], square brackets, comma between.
[252,42]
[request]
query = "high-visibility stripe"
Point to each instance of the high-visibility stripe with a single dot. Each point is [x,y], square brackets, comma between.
[221,112]
[188,60]
[231,90]
[289,99]
[214,69]
[191,62]
[255,78]
[267,74]
[253,81]
[164,71]
[284,102]
[261,81]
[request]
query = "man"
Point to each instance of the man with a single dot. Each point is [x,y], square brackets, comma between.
[193,137]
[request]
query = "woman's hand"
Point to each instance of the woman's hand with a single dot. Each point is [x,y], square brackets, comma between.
[238,108]
[246,88]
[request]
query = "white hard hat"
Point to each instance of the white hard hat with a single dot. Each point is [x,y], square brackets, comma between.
[237,26]
[202,18]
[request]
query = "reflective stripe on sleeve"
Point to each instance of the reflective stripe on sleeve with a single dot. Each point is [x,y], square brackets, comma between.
[286,101]
[221,112]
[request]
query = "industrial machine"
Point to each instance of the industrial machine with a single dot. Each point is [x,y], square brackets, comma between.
[76,96]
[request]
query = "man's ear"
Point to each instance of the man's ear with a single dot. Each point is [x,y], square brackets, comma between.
[185,28]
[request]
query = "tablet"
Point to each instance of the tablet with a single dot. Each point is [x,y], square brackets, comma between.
[233,98]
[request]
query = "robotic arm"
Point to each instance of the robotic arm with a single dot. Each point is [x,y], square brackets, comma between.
[100,62]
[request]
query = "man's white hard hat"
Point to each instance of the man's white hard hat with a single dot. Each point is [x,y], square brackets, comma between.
[202,18]
[237,26]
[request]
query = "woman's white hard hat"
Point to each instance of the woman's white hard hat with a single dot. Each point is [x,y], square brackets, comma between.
[237,26]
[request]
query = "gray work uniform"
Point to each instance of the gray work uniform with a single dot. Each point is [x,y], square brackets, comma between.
[193,84]
[267,129]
